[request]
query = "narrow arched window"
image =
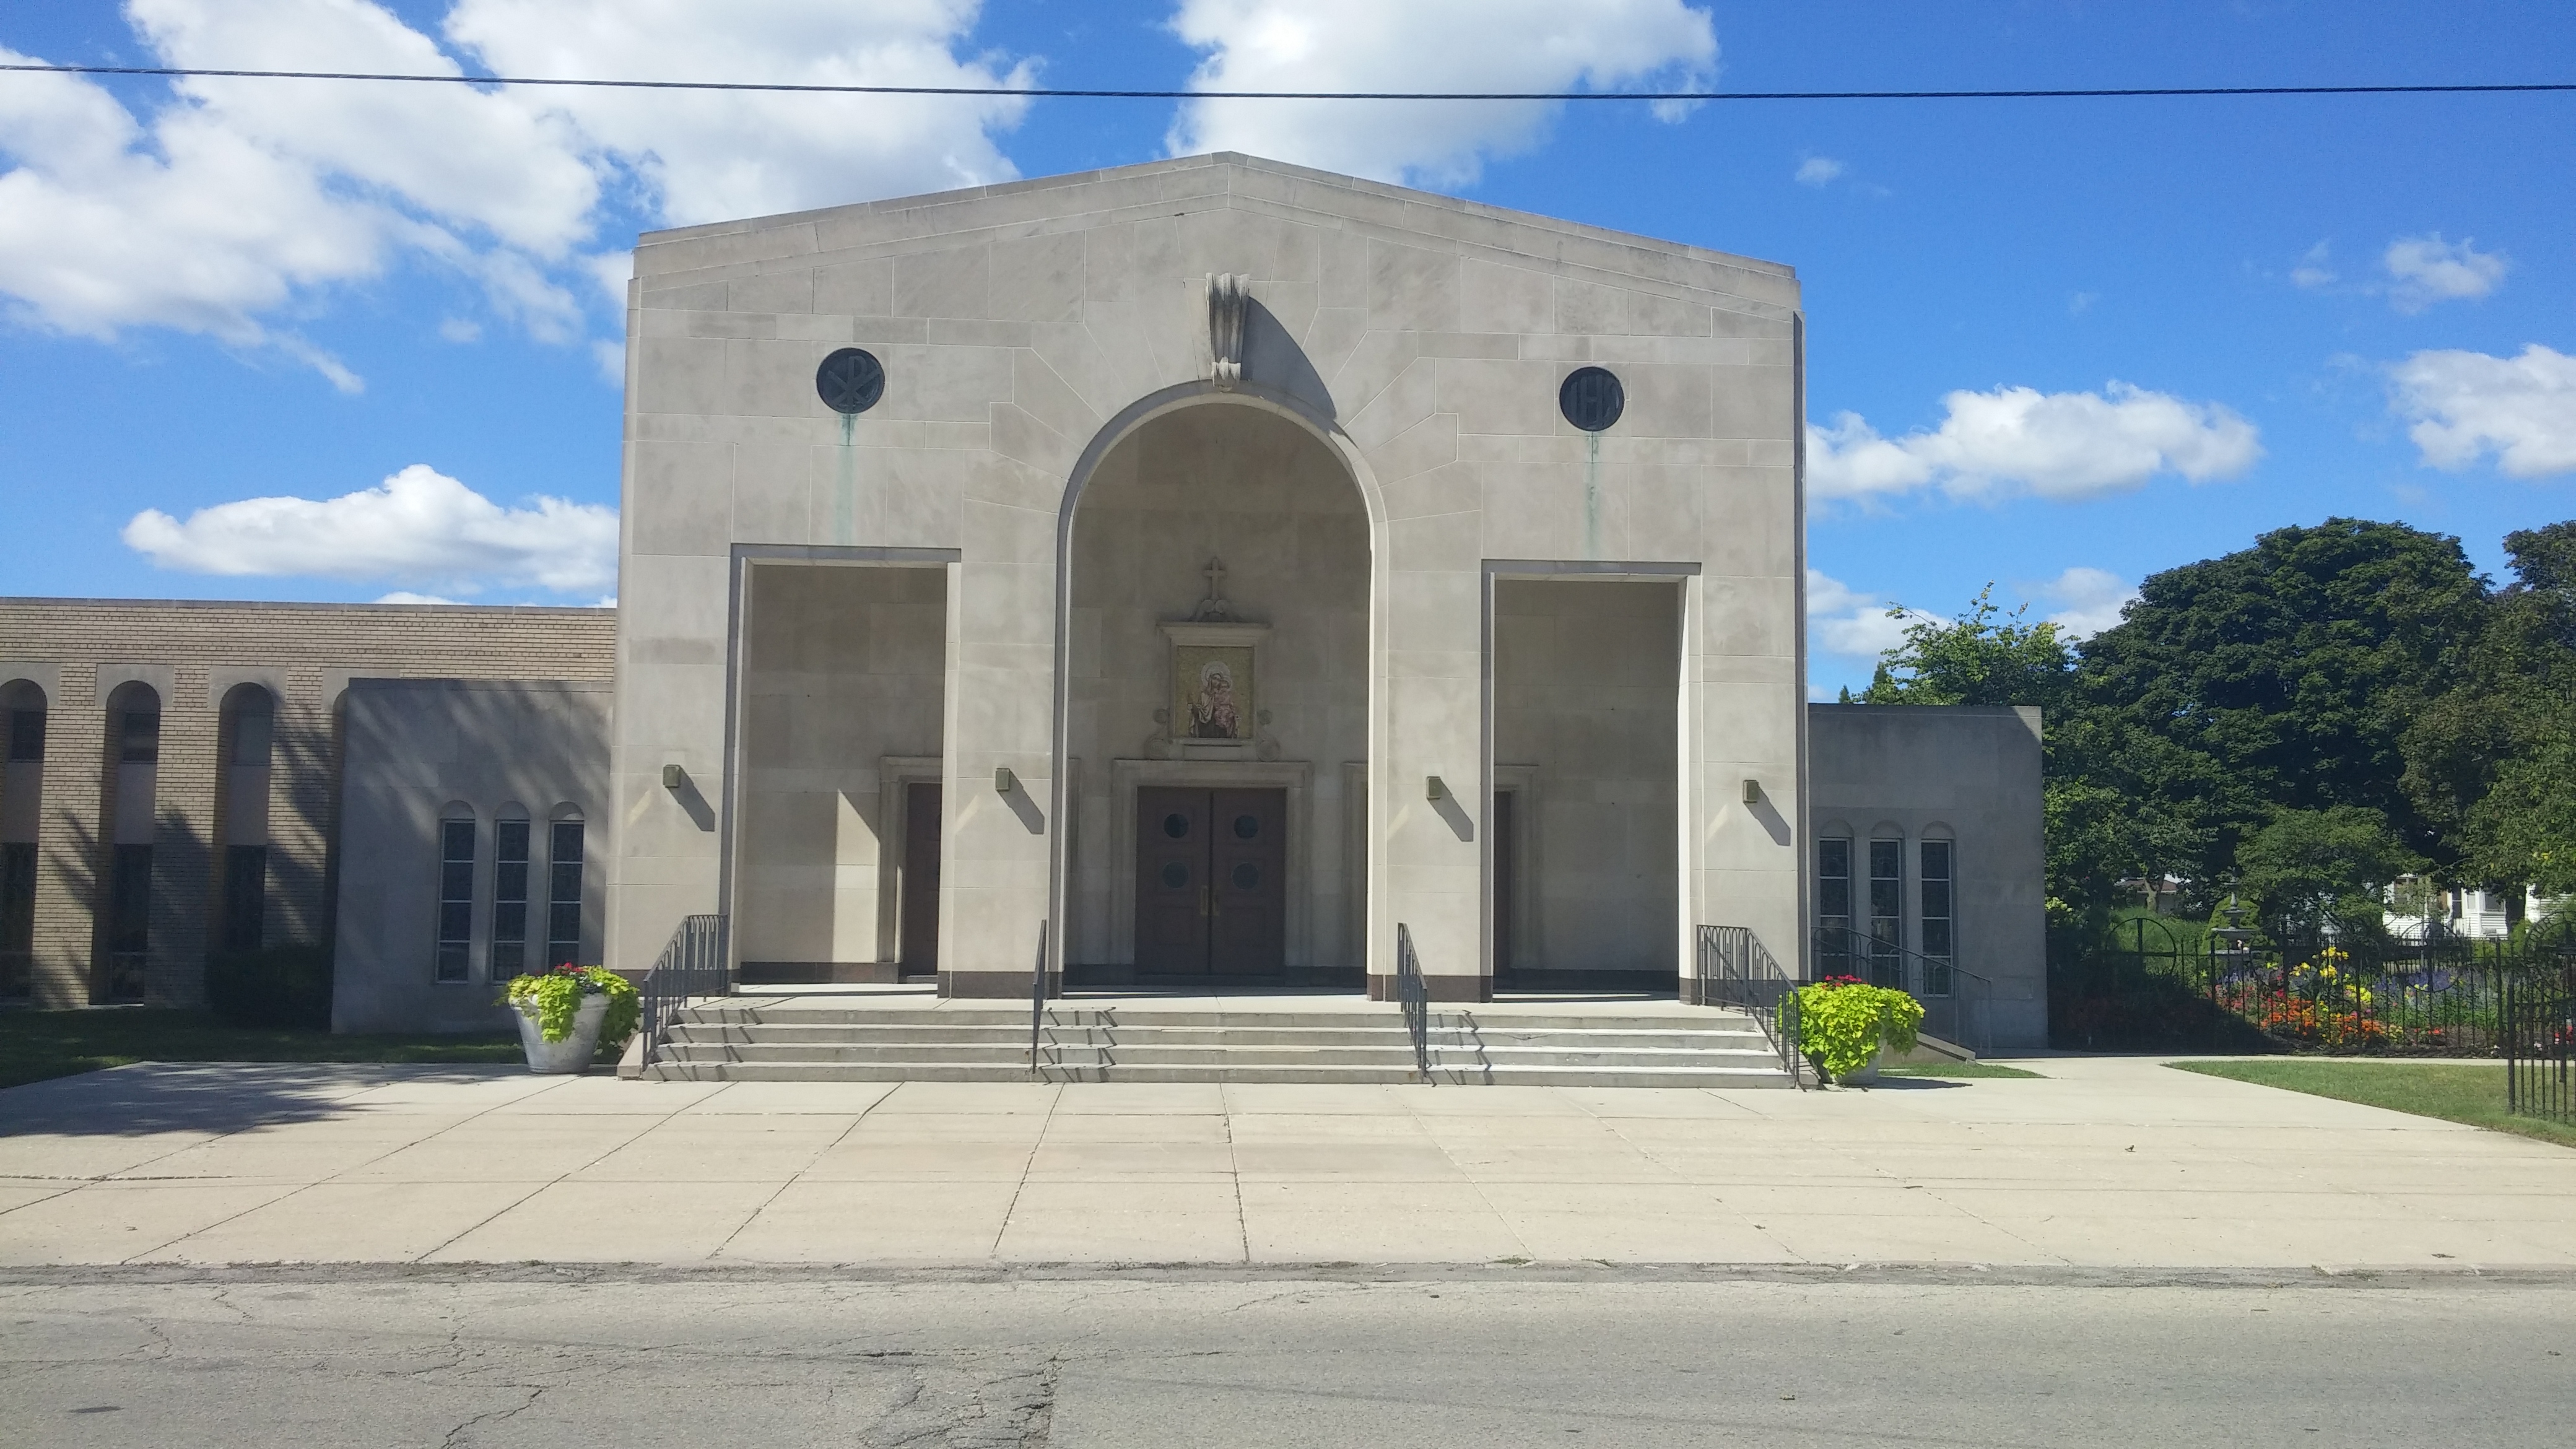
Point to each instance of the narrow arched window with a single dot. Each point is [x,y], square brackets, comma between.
[455,894]
[245,734]
[22,795]
[1937,920]
[1833,904]
[1887,911]
[509,955]
[133,780]
[563,888]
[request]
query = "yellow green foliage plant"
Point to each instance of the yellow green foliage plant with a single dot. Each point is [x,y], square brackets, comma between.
[557,996]
[1843,1021]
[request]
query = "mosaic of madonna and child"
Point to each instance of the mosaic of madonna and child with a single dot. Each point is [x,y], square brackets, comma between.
[1212,692]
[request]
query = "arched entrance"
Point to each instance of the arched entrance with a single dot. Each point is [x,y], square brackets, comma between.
[1217,700]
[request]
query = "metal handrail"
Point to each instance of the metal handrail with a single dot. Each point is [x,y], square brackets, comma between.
[1950,1008]
[692,964]
[1736,970]
[1037,999]
[1414,997]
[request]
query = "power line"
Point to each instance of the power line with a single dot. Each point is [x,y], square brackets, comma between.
[1052,93]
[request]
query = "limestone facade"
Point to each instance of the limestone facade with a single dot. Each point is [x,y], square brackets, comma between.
[1334,379]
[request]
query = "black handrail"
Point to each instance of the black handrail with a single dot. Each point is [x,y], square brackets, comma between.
[1037,999]
[1945,989]
[1415,999]
[1736,970]
[692,964]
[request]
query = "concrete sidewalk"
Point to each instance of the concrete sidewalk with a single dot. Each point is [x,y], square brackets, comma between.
[2107,1162]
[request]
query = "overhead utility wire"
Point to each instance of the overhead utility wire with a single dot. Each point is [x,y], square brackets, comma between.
[1047,92]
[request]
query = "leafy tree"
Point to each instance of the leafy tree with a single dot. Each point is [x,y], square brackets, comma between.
[2295,667]
[1984,656]
[2313,868]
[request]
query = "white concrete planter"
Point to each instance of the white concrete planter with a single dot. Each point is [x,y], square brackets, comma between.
[1867,1075]
[573,1053]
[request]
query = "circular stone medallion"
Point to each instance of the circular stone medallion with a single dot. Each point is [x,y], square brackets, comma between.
[850,380]
[1591,398]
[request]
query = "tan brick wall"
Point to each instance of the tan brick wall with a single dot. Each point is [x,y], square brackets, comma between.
[317,646]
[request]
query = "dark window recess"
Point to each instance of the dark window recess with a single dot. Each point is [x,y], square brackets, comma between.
[563,894]
[1833,907]
[455,899]
[139,736]
[1591,398]
[17,918]
[1887,912]
[26,736]
[509,899]
[850,380]
[1937,917]
[129,923]
[251,734]
[245,896]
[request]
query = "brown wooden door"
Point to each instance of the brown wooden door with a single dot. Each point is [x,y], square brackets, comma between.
[1248,847]
[1172,907]
[1211,882]
[920,905]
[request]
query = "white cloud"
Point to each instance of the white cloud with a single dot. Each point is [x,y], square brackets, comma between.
[236,201]
[2088,600]
[2465,405]
[1819,171]
[459,330]
[2424,270]
[405,596]
[417,527]
[2315,269]
[1845,621]
[1421,45]
[2058,445]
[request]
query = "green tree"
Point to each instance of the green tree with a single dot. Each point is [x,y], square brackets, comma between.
[1983,656]
[2296,668]
[2314,868]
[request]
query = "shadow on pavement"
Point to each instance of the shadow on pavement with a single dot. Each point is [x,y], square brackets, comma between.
[150,1097]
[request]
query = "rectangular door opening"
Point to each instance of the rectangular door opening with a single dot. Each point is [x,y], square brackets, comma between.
[1211,885]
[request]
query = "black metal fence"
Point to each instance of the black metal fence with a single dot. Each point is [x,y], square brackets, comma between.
[692,964]
[1736,970]
[2149,982]
[2538,1037]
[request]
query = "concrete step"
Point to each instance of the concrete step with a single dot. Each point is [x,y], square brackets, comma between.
[754,1041]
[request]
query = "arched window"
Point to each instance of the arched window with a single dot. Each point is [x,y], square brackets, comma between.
[1887,907]
[1833,899]
[133,778]
[455,894]
[563,886]
[22,795]
[1936,921]
[509,955]
[244,734]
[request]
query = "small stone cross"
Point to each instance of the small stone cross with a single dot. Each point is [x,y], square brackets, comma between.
[1214,606]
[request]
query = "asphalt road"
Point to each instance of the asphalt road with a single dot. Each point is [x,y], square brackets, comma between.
[1426,1358]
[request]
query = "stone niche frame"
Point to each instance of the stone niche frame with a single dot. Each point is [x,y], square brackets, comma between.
[1182,634]
[1126,777]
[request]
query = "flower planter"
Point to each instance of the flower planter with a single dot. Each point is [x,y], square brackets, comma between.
[573,1053]
[1865,1077]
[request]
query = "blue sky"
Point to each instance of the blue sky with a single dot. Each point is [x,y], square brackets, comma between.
[2098,336]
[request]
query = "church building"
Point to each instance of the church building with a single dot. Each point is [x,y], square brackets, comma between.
[1208,572]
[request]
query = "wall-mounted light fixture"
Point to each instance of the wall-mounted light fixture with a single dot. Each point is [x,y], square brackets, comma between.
[1752,791]
[1004,782]
[673,777]
[1433,788]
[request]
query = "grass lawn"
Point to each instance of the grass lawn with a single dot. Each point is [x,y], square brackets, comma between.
[35,1045]
[2470,1092]
[1955,1069]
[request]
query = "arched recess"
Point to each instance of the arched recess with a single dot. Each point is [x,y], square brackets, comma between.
[22,797]
[513,881]
[459,855]
[244,737]
[1331,806]
[129,786]
[568,921]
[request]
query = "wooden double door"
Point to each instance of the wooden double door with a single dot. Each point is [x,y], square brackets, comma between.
[1211,882]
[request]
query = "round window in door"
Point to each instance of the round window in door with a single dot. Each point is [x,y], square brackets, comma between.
[1176,875]
[1246,876]
[1246,826]
[1176,825]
